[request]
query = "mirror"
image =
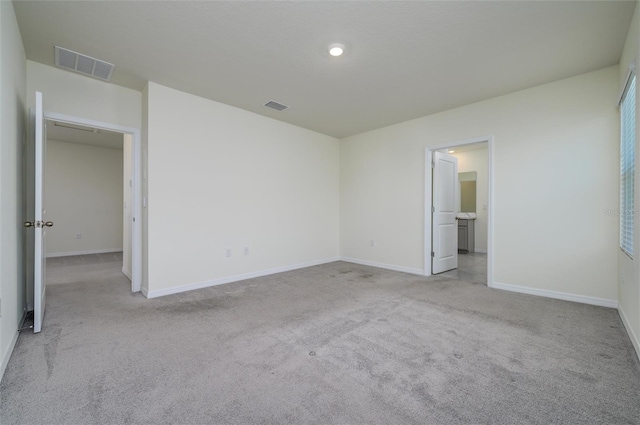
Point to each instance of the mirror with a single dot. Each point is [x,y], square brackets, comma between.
[468,191]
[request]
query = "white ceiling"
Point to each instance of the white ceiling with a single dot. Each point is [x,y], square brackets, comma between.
[403,60]
[72,133]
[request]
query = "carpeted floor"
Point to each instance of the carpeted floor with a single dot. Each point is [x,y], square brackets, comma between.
[332,344]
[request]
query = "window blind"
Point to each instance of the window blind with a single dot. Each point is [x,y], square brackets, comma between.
[627,166]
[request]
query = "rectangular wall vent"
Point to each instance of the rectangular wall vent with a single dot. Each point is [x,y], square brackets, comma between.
[82,64]
[275,105]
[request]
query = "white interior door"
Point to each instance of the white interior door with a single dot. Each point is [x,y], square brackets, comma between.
[39,225]
[444,244]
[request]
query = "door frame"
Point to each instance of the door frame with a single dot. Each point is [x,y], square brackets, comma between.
[136,183]
[428,217]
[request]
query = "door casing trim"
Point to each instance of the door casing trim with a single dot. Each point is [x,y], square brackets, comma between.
[428,218]
[136,176]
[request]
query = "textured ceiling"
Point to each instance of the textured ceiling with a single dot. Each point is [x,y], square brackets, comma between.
[403,60]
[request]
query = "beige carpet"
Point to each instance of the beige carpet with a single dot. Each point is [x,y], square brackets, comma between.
[332,344]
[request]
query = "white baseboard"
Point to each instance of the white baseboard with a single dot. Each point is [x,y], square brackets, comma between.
[144,291]
[481,251]
[403,269]
[602,302]
[7,354]
[229,279]
[127,273]
[92,251]
[632,335]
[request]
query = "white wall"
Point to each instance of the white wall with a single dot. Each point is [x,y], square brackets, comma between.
[127,203]
[478,160]
[628,269]
[220,177]
[73,94]
[83,194]
[556,172]
[13,137]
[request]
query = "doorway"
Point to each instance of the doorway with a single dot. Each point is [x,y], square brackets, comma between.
[474,238]
[130,160]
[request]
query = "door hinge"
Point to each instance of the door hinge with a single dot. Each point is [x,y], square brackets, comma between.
[433,164]
[433,254]
[433,209]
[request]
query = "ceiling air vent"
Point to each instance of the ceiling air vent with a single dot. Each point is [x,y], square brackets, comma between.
[275,105]
[82,64]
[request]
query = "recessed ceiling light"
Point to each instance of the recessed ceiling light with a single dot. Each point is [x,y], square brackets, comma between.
[452,151]
[336,49]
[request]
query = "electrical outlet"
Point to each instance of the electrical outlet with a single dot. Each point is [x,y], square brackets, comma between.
[78,235]
[227,252]
[372,243]
[246,250]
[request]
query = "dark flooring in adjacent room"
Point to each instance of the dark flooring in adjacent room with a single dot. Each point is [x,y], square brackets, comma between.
[332,344]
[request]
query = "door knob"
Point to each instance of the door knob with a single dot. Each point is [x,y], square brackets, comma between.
[38,224]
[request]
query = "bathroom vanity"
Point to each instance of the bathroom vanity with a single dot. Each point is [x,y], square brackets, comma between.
[466,235]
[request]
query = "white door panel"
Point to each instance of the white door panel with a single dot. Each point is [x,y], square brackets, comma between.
[445,227]
[39,225]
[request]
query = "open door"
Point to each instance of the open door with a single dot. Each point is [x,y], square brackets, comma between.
[444,244]
[38,224]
